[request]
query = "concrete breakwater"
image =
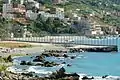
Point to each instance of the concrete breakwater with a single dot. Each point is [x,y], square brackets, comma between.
[90,48]
[85,48]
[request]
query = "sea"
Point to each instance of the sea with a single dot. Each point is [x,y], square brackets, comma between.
[90,63]
[93,64]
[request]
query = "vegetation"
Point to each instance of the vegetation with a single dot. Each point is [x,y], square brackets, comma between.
[1,3]
[14,45]
[5,62]
[3,28]
[50,26]
[3,68]
[6,59]
[99,7]
[41,26]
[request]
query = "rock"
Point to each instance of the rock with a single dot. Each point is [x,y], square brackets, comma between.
[49,64]
[85,78]
[65,56]
[9,58]
[61,75]
[56,55]
[63,62]
[38,60]
[38,64]
[62,70]
[31,57]
[30,74]
[69,65]
[23,63]
[105,76]
[73,57]
[29,63]
[46,54]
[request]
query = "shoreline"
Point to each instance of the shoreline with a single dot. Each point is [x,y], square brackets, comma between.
[82,76]
[42,46]
[104,77]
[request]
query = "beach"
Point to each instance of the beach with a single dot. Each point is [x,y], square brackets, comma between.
[86,63]
[38,48]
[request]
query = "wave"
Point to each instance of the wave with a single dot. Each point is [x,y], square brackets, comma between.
[99,77]
[45,72]
[38,71]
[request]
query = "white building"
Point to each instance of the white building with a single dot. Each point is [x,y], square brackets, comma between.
[58,14]
[7,11]
[31,15]
[113,30]
[21,1]
[58,1]
[95,30]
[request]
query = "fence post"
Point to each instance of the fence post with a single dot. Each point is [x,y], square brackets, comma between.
[118,44]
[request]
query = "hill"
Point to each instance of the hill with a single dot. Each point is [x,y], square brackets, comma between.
[106,11]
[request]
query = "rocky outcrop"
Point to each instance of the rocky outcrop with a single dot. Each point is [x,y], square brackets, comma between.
[45,63]
[60,74]
[26,63]
[86,78]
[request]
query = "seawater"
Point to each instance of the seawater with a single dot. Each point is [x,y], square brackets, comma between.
[93,64]
[96,64]
[90,63]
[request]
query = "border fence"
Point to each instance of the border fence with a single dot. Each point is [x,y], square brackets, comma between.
[79,40]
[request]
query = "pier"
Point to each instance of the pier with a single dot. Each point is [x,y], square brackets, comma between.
[90,48]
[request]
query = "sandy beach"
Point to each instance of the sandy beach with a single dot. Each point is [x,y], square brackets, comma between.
[36,49]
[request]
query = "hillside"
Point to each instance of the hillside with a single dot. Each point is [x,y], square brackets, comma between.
[105,10]
[99,7]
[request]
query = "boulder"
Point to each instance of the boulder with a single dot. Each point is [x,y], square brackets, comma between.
[69,65]
[23,63]
[65,56]
[72,57]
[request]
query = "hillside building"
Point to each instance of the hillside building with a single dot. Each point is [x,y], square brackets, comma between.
[58,1]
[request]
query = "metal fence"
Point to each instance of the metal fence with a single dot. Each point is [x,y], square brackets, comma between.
[80,40]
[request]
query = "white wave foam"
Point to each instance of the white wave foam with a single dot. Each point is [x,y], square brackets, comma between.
[14,70]
[42,71]
[99,77]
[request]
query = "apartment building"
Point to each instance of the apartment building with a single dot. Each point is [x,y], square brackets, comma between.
[58,1]
[8,11]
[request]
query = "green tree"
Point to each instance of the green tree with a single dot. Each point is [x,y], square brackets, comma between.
[3,28]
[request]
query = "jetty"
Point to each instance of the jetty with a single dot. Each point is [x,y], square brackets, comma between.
[92,48]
